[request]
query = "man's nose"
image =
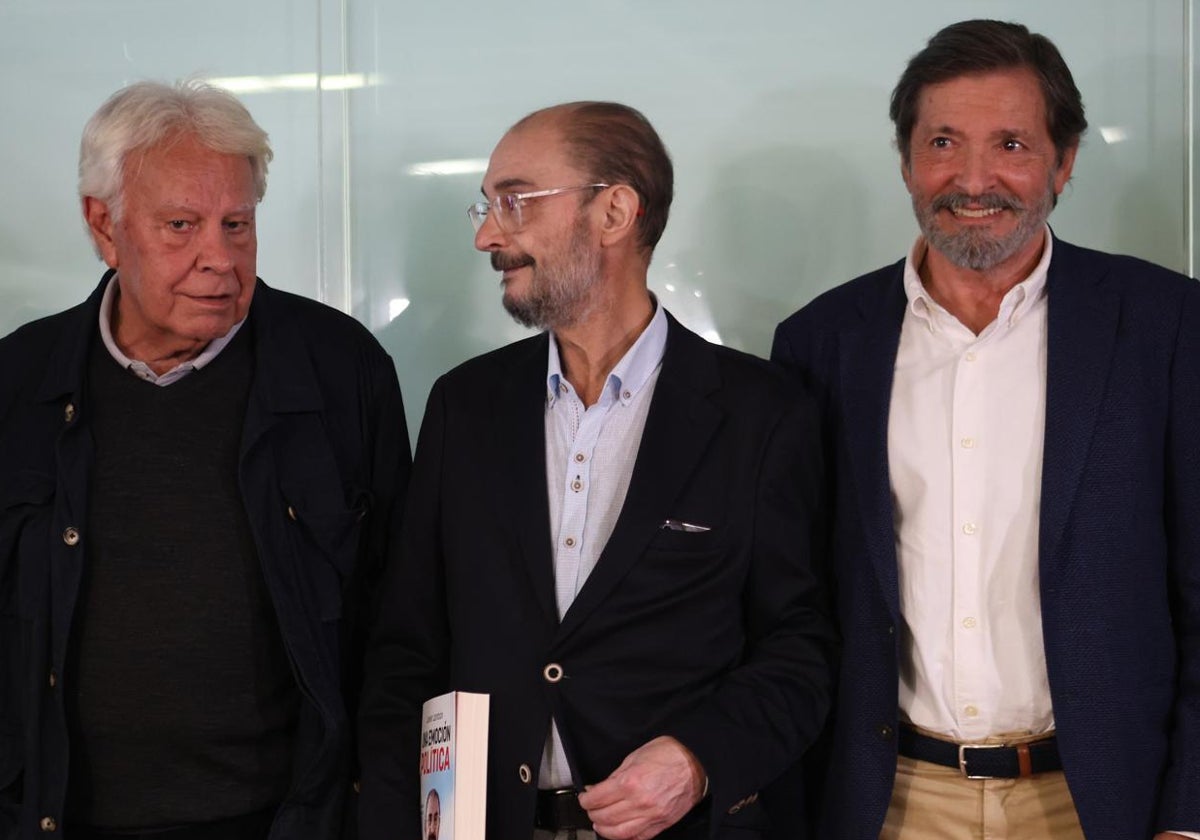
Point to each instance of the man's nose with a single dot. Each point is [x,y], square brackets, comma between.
[489,237]
[216,253]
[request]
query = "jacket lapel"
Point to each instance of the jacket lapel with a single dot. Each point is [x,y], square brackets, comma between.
[1083,311]
[867,362]
[680,423]
[520,410]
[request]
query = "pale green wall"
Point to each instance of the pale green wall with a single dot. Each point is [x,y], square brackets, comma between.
[775,113]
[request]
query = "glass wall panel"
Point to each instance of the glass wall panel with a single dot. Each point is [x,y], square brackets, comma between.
[383,114]
[60,60]
[776,116]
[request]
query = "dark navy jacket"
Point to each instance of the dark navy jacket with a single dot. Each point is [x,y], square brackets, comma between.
[719,638]
[324,465]
[1119,542]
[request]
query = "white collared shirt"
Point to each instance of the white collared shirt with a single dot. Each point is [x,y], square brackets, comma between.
[141,369]
[590,452]
[965,436]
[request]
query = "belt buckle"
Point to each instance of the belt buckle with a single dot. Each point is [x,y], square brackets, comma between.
[962,758]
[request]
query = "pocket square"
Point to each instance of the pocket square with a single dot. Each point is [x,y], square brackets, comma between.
[686,527]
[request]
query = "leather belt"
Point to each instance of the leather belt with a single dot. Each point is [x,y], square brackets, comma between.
[983,761]
[559,810]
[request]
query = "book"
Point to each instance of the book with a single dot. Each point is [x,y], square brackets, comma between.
[454,741]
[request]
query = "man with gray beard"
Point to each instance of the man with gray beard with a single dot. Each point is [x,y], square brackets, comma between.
[610,530]
[1012,426]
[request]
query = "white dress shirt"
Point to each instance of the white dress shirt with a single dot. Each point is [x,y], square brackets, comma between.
[965,434]
[141,369]
[590,452]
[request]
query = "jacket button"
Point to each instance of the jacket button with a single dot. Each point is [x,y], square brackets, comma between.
[885,731]
[525,774]
[552,672]
[69,413]
[358,785]
[291,513]
[71,537]
[48,824]
[53,678]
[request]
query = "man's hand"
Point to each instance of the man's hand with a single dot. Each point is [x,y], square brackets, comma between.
[653,788]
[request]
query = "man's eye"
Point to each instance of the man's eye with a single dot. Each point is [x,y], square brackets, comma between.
[941,142]
[1011,145]
[179,224]
[237,226]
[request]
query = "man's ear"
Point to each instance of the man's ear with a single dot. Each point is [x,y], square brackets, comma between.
[100,224]
[622,207]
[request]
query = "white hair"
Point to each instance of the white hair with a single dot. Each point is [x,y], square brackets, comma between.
[144,114]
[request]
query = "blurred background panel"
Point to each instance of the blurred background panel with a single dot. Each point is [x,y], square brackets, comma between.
[383,114]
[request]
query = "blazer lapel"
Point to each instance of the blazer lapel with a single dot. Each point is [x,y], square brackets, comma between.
[520,427]
[867,362]
[680,423]
[1083,312]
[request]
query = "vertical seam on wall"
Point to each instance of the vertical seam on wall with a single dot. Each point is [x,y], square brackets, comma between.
[1189,106]
[347,256]
[322,294]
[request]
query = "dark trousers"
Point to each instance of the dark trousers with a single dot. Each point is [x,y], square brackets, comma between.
[254,826]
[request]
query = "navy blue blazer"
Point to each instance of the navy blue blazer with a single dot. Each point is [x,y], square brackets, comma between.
[1119,543]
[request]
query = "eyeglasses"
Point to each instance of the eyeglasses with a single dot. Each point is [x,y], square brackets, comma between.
[506,207]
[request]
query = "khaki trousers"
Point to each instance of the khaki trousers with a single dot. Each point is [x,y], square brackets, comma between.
[931,802]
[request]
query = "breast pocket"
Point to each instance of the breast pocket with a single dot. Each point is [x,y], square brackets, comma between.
[680,540]
[26,504]
[328,527]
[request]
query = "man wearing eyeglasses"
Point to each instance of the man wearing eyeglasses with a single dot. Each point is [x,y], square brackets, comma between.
[610,530]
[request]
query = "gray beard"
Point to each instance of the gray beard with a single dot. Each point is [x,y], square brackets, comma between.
[978,250]
[562,299]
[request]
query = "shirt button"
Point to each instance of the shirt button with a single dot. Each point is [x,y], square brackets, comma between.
[969,622]
[626,395]
[577,485]
[969,528]
[580,457]
[71,536]
[553,672]
[69,412]
[970,357]
[885,731]
[48,824]
[971,711]
[968,443]
[569,542]
[525,774]
[562,389]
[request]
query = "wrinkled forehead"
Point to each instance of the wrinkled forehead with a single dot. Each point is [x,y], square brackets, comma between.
[530,156]
[184,164]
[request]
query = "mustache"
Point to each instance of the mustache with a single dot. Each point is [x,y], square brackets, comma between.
[984,201]
[510,262]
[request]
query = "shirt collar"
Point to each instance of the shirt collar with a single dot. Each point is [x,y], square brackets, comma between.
[629,375]
[141,369]
[1019,299]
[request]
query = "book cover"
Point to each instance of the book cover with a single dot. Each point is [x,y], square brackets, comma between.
[454,766]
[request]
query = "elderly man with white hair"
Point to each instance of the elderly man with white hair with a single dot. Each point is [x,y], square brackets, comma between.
[199,476]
